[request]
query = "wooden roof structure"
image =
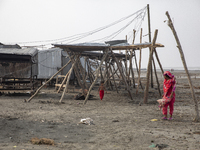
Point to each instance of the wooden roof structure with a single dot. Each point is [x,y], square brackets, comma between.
[102,47]
[106,67]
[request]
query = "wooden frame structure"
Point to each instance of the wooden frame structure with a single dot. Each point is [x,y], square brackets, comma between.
[110,68]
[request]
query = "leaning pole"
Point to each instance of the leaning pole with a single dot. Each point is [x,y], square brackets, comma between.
[170,24]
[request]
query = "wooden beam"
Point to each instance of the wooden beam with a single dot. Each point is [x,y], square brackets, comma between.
[63,82]
[146,91]
[140,58]
[88,93]
[68,78]
[47,81]
[158,84]
[123,77]
[158,60]
[197,119]
[113,78]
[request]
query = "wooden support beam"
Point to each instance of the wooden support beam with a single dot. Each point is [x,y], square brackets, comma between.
[123,77]
[68,78]
[63,82]
[149,28]
[197,119]
[158,60]
[113,78]
[146,91]
[88,93]
[158,84]
[140,58]
[48,81]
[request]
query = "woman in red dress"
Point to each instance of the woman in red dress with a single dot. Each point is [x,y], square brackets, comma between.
[169,86]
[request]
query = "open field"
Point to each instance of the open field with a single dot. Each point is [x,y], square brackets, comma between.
[119,123]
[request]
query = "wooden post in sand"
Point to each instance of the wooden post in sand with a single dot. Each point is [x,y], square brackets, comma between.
[146,91]
[97,72]
[149,29]
[63,82]
[158,84]
[170,24]
[47,81]
[113,78]
[123,77]
[139,72]
[68,78]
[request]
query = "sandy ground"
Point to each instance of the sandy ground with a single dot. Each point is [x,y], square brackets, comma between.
[119,123]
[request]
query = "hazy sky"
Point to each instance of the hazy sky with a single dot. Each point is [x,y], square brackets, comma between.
[35,20]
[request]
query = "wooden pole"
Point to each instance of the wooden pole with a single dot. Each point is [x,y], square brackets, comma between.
[97,71]
[196,119]
[113,78]
[139,72]
[47,81]
[146,91]
[149,28]
[158,84]
[67,83]
[158,60]
[123,77]
[63,82]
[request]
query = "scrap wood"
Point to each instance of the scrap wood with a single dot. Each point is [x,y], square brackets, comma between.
[42,141]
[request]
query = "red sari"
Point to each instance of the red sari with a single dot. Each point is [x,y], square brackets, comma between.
[169,87]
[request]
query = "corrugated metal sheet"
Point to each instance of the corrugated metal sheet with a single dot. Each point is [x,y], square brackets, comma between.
[65,60]
[49,62]
[15,51]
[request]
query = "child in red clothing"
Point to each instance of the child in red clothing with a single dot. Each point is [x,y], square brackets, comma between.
[101,90]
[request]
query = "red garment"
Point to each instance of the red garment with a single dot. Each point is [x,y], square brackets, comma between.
[171,107]
[168,87]
[101,94]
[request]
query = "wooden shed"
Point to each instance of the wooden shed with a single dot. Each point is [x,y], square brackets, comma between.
[18,69]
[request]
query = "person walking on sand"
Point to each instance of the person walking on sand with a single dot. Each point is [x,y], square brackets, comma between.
[169,86]
[101,90]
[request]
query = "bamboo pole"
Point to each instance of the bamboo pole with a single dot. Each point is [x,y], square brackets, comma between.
[158,84]
[146,91]
[139,72]
[67,83]
[113,78]
[88,93]
[158,60]
[123,77]
[149,28]
[47,82]
[63,82]
[196,119]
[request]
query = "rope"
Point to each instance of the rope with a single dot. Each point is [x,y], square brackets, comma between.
[81,35]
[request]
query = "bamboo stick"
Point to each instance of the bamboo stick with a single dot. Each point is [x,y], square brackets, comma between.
[158,60]
[63,82]
[88,93]
[146,91]
[196,119]
[158,84]
[139,72]
[47,81]
[67,83]
[113,78]
[123,77]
